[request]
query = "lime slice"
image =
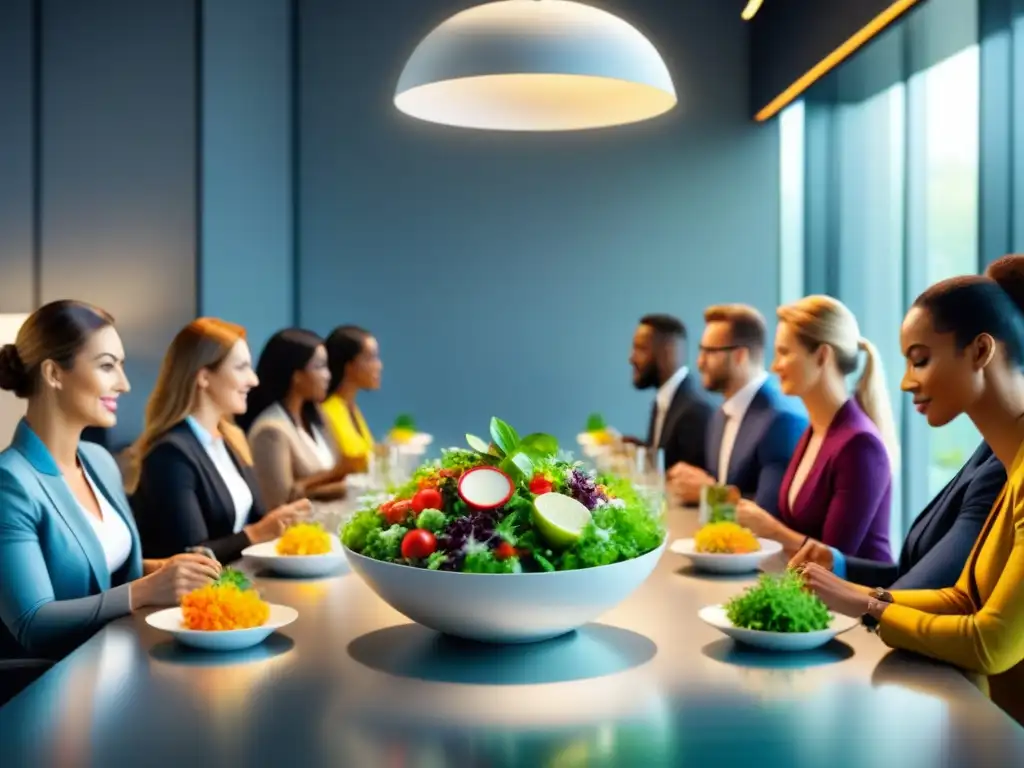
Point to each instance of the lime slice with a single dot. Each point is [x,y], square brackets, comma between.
[559,518]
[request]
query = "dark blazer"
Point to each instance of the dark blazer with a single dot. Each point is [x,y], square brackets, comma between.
[765,441]
[845,502]
[684,431]
[941,538]
[182,501]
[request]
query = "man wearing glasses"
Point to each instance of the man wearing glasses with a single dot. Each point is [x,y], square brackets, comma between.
[751,438]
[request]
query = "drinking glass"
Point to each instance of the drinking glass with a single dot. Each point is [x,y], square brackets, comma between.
[648,476]
[385,466]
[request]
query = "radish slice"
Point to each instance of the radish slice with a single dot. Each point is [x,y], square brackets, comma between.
[486,488]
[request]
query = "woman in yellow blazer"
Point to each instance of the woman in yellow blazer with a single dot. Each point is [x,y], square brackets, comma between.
[964,343]
[353,357]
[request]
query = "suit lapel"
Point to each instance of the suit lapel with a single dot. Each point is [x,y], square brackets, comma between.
[926,519]
[748,435]
[676,409]
[249,476]
[63,501]
[119,505]
[67,506]
[224,505]
[790,475]
[972,561]
[713,446]
[651,423]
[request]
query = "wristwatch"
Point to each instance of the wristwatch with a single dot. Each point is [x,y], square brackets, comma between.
[878,596]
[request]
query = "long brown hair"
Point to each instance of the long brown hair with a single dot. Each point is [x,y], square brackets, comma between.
[202,344]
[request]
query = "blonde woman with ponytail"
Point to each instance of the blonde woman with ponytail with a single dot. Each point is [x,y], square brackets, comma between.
[190,475]
[838,487]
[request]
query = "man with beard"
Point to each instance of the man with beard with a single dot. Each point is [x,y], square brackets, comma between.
[680,412]
[752,437]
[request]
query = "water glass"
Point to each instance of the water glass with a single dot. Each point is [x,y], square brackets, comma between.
[648,475]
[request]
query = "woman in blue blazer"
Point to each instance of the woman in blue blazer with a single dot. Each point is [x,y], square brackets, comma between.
[70,559]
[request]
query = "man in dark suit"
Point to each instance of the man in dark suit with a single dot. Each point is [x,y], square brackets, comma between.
[752,437]
[680,412]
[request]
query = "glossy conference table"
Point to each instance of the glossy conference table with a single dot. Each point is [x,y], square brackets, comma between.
[352,683]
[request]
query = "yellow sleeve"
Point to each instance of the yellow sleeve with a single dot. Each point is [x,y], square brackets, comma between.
[989,641]
[952,600]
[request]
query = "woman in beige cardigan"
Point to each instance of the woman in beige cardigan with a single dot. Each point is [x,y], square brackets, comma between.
[294,455]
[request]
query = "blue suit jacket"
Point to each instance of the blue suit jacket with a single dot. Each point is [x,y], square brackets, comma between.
[55,587]
[943,535]
[767,437]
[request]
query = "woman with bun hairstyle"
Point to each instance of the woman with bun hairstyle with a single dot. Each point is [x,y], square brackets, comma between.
[963,340]
[190,477]
[838,486]
[70,556]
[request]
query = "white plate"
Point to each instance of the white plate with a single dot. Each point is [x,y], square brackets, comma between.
[710,563]
[171,620]
[715,616]
[303,566]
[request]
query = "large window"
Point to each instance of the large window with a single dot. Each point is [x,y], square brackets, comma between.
[791,189]
[889,195]
[950,95]
[870,181]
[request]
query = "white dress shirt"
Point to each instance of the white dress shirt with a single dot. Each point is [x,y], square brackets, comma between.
[112,530]
[734,409]
[663,401]
[241,494]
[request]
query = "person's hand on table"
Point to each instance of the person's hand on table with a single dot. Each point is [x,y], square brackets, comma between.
[756,520]
[173,579]
[277,521]
[814,551]
[684,482]
[840,596]
[355,465]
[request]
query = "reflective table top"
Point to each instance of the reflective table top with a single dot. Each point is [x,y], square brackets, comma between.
[353,683]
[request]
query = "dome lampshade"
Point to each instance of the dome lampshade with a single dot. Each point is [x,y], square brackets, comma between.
[535,65]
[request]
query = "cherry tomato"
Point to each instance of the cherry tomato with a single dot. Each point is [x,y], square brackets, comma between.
[396,511]
[540,485]
[504,551]
[418,544]
[428,498]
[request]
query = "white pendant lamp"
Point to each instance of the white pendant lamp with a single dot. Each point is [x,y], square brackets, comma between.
[535,65]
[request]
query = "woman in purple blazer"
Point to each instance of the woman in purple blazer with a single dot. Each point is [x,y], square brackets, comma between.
[838,487]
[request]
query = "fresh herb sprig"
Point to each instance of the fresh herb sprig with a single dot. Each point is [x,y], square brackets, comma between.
[516,456]
[778,604]
[235,577]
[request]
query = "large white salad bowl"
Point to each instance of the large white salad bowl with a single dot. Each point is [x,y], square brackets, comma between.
[504,608]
